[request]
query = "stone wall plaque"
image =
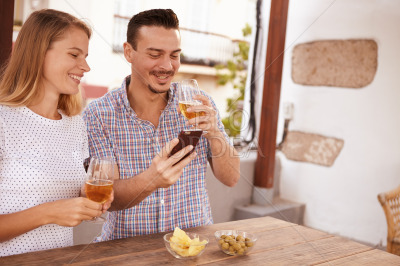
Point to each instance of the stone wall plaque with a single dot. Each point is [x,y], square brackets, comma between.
[338,63]
[311,148]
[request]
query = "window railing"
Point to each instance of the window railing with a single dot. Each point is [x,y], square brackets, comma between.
[198,47]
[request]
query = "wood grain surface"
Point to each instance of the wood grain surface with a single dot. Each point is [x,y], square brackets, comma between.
[279,243]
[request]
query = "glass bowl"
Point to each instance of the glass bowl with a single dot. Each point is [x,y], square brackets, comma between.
[183,251]
[234,242]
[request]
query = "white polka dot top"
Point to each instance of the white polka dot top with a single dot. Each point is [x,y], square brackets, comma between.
[41,160]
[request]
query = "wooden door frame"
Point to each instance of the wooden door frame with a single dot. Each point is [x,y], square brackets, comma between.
[265,163]
[6,29]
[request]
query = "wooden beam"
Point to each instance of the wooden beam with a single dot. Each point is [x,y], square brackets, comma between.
[6,29]
[265,164]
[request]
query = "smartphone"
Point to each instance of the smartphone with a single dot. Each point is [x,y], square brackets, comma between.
[187,137]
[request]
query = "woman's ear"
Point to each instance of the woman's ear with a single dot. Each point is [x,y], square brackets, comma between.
[128,49]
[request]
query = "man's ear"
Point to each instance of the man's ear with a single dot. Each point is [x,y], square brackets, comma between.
[128,49]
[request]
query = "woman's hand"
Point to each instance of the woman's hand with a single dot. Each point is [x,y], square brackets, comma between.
[71,212]
[107,204]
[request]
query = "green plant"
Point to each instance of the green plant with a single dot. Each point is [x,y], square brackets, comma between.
[235,72]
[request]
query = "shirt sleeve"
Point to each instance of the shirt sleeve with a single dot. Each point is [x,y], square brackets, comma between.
[98,141]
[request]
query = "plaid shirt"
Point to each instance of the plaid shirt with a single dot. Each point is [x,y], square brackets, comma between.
[115,130]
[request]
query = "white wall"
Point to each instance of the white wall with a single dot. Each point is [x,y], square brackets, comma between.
[342,199]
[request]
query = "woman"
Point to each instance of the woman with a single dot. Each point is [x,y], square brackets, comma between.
[43,140]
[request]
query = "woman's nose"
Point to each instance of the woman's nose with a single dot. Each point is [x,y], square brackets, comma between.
[84,66]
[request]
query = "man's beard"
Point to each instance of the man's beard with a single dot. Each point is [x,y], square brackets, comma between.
[159,73]
[154,90]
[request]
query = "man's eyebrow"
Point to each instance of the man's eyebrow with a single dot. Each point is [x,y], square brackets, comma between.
[78,49]
[160,50]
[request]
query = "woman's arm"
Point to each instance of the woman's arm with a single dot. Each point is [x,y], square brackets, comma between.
[66,212]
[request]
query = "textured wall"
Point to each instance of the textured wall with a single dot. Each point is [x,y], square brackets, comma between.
[311,148]
[338,63]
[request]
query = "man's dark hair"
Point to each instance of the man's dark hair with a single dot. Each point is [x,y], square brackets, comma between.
[154,17]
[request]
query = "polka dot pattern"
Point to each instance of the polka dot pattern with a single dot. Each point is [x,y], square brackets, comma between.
[41,160]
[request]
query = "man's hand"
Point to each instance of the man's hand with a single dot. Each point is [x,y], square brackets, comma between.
[165,170]
[208,122]
[224,161]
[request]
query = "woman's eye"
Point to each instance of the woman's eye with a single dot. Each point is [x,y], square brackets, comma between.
[74,55]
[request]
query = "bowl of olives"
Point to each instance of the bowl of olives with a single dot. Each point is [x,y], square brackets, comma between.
[234,242]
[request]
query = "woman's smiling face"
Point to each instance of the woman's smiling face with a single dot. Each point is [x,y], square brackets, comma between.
[65,63]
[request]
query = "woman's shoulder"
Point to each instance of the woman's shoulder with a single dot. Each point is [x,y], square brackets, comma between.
[6,110]
[73,119]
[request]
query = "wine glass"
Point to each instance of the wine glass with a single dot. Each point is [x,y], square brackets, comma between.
[187,89]
[99,181]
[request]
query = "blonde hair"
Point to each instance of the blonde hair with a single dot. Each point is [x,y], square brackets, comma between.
[22,76]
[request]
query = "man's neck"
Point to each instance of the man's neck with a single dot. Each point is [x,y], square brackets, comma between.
[146,104]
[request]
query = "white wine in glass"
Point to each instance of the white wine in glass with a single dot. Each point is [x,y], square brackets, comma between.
[187,89]
[99,181]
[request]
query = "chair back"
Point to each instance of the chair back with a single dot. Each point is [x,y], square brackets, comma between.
[390,202]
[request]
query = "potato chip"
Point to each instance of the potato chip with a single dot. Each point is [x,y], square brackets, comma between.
[183,245]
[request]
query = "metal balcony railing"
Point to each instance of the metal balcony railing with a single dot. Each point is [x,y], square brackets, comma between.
[198,47]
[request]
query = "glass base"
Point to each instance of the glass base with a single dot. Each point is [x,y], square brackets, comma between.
[97,220]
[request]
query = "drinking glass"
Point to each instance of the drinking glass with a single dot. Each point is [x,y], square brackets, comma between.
[187,89]
[99,181]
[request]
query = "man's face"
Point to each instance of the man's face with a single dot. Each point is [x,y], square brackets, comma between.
[156,58]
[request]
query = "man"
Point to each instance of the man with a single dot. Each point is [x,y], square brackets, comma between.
[138,125]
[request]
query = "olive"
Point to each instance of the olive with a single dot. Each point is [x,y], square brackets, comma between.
[240,251]
[225,246]
[221,241]
[236,246]
[239,238]
[223,236]
[249,244]
[231,250]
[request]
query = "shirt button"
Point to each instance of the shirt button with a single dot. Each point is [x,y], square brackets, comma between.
[162,201]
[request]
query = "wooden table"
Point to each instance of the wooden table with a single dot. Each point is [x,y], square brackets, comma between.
[279,243]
